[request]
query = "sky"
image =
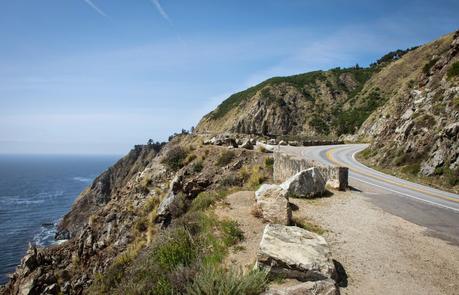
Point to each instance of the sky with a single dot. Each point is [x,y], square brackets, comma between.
[99,76]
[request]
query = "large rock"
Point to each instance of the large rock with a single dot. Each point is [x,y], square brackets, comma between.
[308,183]
[323,287]
[247,144]
[292,252]
[273,202]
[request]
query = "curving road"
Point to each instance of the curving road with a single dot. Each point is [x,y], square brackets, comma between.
[435,209]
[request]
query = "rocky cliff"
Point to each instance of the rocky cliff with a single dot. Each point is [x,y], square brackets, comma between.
[122,214]
[418,127]
[406,104]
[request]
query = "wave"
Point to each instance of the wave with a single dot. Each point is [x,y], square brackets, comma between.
[32,200]
[46,235]
[82,179]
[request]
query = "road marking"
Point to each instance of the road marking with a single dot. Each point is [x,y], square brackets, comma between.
[407,195]
[329,156]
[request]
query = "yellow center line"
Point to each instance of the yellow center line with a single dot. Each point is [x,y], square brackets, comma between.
[330,157]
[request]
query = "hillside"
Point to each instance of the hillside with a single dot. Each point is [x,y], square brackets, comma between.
[406,105]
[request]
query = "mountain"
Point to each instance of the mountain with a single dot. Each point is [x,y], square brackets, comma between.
[406,104]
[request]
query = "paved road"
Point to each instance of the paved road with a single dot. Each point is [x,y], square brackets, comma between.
[435,209]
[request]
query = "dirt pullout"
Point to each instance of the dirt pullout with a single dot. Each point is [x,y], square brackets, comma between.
[382,253]
[238,206]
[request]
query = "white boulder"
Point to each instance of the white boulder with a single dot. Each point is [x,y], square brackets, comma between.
[273,203]
[308,183]
[293,252]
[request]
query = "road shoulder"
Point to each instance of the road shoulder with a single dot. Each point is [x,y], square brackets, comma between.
[382,253]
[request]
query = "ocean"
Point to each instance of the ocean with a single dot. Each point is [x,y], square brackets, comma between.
[35,192]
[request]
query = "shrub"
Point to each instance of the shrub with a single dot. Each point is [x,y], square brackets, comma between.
[197,167]
[206,199]
[412,169]
[174,158]
[256,211]
[269,162]
[174,249]
[215,280]
[256,177]
[429,65]
[225,158]
[232,233]
[453,70]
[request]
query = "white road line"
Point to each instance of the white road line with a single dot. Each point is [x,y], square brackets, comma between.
[407,195]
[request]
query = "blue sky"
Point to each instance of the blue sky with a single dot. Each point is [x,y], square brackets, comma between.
[97,77]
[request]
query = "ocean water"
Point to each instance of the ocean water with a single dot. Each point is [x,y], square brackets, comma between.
[35,192]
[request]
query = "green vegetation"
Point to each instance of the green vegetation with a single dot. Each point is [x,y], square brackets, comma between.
[228,282]
[319,125]
[236,99]
[425,120]
[225,158]
[347,122]
[412,169]
[429,65]
[206,199]
[453,70]
[269,162]
[184,259]
[175,158]
[393,55]
[197,166]
[308,225]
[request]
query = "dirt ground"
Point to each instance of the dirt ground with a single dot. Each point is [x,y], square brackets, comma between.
[381,253]
[238,207]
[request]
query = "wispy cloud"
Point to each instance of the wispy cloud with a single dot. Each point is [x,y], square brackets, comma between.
[161,10]
[97,9]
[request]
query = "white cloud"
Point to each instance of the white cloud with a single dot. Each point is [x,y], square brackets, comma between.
[94,6]
[160,9]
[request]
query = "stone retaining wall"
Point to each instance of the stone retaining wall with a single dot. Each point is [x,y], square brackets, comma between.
[287,166]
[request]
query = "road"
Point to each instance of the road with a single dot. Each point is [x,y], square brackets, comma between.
[432,208]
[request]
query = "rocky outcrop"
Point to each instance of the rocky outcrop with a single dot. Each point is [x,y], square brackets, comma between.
[323,287]
[272,200]
[308,183]
[415,128]
[292,252]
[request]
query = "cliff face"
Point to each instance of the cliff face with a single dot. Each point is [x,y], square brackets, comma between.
[117,217]
[418,126]
[305,104]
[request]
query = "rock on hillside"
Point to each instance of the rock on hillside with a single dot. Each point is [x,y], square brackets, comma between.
[417,126]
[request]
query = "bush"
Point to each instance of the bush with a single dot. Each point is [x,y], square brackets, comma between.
[197,167]
[412,169]
[225,158]
[206,199]
[174,158]
[215,280]
[429,65]
[453,70]
[269,162]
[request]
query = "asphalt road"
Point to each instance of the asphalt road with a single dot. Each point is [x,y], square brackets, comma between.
[432,208]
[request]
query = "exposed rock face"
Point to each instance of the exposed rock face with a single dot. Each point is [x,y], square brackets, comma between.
[308,183]
[273,202]
[295,253]
[323,287]
[287,105]
[415,127]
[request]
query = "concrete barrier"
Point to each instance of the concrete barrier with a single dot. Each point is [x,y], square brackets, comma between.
[286,166]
